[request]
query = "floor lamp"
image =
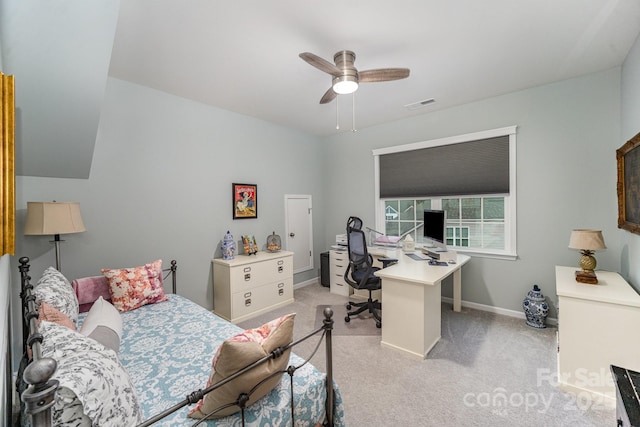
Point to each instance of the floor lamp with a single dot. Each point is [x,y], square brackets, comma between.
[53,218]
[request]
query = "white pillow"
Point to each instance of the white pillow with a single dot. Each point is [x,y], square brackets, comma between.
[104,324]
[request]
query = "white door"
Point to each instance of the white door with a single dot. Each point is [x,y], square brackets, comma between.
[299,231]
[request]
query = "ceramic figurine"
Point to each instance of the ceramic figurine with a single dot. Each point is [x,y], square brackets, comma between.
[535,308]
[228,247]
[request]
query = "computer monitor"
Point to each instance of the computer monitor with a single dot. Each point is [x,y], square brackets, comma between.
[435,228]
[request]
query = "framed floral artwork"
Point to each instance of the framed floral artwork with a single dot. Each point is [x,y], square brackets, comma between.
[245,201]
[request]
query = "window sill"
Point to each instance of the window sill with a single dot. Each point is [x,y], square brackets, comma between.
[507,256]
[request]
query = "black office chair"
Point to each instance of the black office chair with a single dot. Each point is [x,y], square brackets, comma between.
[359,273]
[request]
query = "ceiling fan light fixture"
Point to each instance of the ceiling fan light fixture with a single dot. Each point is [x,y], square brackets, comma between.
[343,85]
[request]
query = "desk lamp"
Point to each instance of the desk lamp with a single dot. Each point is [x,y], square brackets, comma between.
[44,218]
[587,241]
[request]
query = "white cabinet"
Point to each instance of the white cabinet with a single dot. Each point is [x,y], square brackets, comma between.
[250,285]
[338,263]
[597,327]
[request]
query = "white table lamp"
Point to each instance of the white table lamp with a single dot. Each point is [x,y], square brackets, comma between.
[53,218]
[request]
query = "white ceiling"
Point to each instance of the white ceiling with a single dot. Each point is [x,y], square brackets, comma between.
[243,56]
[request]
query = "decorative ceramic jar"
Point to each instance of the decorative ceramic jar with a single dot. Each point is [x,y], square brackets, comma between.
[535,308]
[408,245]
[228,247]
[274,243]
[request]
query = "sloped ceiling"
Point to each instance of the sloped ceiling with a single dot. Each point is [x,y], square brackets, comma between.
[59,53]
[243,56]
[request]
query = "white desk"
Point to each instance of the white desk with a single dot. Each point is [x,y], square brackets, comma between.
[411,297]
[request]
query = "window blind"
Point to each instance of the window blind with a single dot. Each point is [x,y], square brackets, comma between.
[466,168]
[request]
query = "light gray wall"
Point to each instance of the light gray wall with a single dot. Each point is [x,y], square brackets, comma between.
[566,177]
[630,243]
[160,187]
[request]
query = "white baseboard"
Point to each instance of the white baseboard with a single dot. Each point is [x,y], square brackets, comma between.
[306,283]
[474,305]
[497,310]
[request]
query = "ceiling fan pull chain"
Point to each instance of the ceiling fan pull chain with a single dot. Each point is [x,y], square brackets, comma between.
[337,116]
[353,112]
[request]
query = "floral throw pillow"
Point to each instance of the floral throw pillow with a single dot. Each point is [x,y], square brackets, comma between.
[55,289]
[240,351]
[94,375]
[134,287]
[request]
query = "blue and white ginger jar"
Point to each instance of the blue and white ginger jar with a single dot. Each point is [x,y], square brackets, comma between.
[535,308]
[228,247]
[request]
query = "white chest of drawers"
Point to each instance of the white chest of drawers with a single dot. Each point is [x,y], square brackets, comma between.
[597,327]
[338,263]
[250,285]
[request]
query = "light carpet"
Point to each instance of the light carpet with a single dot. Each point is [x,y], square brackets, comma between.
[487,370]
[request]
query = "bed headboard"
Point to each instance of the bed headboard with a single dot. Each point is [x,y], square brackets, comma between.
[39,396]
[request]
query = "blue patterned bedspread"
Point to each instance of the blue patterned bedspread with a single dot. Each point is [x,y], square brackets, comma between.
[167,349]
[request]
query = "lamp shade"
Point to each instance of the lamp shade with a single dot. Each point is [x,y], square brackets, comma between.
[51,218]
[586,239]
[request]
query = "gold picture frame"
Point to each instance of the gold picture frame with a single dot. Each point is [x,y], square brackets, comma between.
[628,159]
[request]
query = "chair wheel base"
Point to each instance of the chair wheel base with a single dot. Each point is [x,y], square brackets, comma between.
[378,325]
[347,319]
[348,306]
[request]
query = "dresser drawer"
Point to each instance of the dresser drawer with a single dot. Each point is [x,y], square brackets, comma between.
[338,263]
[249,301]
[248,276]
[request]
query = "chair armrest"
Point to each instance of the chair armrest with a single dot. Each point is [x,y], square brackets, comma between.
[386,262]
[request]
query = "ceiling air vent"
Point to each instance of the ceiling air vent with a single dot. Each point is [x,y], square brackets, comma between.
[419,104]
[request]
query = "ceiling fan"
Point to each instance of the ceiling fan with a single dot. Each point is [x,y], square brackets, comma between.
[345,75]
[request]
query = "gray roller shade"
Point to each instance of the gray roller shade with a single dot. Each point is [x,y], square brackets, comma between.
[474,167]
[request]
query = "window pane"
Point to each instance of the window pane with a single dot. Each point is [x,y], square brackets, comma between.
[421,205]
[405,227]
[452,206]
[494,236]
[391,228]
[471,208]
[407,210]
[391,209]
[494,208]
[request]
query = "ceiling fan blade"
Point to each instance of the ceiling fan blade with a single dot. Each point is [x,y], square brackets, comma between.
[383,74]
[328,96]
[320,64]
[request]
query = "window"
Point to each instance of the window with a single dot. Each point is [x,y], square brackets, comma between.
[477,222]
[472,222]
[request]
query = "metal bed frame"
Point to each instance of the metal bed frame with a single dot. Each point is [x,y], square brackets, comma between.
[39,396]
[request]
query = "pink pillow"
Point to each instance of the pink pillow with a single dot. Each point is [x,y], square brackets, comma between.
[89,289]
[52,314]
[134,287]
